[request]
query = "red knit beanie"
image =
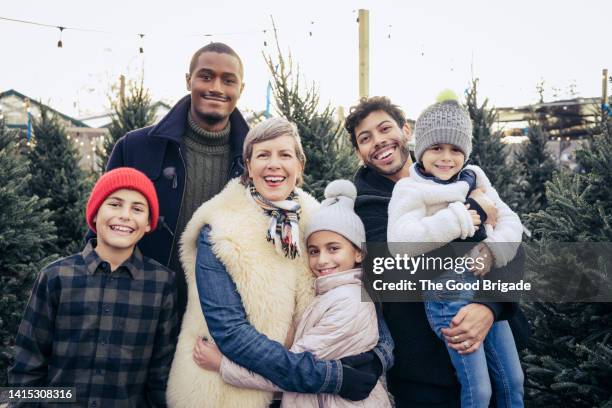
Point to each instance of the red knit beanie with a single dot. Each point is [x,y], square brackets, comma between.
[118,179]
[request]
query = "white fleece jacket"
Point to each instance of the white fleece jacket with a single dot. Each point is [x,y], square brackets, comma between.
[431,215]
[274,290]
[336,324]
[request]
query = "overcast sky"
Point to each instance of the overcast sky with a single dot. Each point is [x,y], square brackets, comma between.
[433,45]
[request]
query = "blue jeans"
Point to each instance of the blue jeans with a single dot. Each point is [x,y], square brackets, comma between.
[497,358]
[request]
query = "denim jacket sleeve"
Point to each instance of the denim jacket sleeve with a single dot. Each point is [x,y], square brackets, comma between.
[239,341]
[385,346]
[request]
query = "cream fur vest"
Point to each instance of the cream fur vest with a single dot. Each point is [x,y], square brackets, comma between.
[274,291]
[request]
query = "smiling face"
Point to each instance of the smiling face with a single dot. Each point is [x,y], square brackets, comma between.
[274,167]
[329,252]
[215,85]
[381,145]
[121,221]
[443,161]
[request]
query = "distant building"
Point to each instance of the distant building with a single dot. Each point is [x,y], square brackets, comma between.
[567,118]
[15,107]
[86,133]
[103,120]
[566,121]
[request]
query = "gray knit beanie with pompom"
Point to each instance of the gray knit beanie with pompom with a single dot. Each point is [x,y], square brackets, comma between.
[446,121]
[337,213]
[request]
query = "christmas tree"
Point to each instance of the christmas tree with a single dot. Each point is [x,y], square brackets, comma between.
[329,155]
[24,228]
[569,359]
[536,167]
[489,152]
[56,175]
[130,112]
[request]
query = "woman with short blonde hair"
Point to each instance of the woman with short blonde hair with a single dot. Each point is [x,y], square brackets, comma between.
[248,278]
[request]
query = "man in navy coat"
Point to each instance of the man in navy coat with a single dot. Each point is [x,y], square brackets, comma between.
[191,153]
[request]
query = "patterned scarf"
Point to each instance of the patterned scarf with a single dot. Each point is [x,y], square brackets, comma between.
[283,231]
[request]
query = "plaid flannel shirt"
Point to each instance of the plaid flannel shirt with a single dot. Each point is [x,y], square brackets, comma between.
[110,335]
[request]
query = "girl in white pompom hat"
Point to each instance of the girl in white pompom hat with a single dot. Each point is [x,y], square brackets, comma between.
[337,324]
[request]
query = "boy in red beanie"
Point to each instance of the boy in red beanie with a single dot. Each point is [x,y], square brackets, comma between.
[103,321]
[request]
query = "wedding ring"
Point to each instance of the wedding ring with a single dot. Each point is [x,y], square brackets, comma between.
[455,338]
[466,345]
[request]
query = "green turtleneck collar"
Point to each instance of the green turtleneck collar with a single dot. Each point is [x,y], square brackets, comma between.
[202,136]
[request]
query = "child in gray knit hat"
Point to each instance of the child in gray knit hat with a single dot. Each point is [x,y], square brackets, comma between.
[337,323]
[437,204]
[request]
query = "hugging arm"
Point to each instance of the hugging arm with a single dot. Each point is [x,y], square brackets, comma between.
[328,338]
[240,342]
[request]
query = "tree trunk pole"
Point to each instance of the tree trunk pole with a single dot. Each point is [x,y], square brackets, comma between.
[364,53]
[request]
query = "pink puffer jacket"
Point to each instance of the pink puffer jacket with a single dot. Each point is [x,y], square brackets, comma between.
[336,324]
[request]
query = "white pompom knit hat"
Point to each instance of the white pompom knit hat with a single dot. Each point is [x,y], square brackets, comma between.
[337,213]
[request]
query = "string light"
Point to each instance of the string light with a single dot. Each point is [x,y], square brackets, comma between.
[62,28]
[60,44]
[142,35]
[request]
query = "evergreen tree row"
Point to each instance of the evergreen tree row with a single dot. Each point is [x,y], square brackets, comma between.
[25,230]
[57,176]
[569,360]
[133,111]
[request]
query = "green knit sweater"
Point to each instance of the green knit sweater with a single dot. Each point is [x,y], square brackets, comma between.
[207,158]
